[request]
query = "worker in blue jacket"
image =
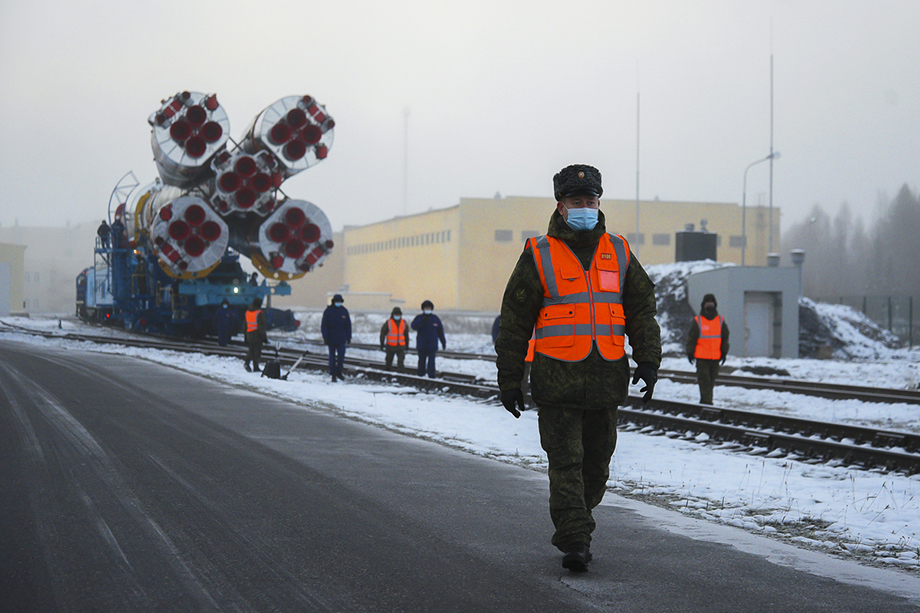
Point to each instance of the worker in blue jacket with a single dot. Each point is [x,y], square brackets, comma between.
[225,322]
[430,331]
[336,329]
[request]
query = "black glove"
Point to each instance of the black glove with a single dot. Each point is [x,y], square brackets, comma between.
[443,346]
[722,361]
[382,348]
[513,397]
[649,374]
[690,359]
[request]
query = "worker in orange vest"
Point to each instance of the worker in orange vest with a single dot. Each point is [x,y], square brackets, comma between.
[394,338]
[707,344]
[255,334]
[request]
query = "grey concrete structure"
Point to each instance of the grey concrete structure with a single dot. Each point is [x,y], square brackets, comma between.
[760,306]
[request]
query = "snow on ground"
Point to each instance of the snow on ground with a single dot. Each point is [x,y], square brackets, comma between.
[867,515]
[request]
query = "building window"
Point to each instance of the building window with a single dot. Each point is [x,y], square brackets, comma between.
[504,236]
[736,241]
[661,239]
[525,234]
[636,239]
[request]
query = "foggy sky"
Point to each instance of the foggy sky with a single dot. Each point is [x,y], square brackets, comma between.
[500,95]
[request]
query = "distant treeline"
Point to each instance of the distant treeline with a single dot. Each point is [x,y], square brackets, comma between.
[844,257]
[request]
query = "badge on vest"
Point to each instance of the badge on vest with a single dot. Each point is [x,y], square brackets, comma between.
[606,256]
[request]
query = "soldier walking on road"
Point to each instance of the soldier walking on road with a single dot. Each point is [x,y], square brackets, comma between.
[394,338]
[580,372]
[707,343]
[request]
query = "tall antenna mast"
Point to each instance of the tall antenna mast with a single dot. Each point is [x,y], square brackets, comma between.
[636,241]
[771,154]
[406,161]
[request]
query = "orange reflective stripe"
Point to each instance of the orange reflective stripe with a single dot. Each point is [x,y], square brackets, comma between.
[709,345]
[581,307]
[396,333]
[252,321]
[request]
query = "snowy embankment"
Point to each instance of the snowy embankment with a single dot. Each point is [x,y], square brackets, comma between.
[869,515]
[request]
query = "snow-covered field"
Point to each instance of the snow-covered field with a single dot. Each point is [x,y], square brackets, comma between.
[868,515]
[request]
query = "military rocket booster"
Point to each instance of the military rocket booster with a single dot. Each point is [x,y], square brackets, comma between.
[209,197]
[187,131]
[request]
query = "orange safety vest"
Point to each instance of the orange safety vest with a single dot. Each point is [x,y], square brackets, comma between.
[709,345]
[396,333]
[252,321]
[530,349]
[581,307]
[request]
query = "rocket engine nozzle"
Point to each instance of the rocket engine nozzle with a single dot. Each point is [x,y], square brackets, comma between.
[188,236]
[297,130]
[244,182]
[292,241]
[187,131]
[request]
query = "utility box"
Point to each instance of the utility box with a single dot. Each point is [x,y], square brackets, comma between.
[760,305]
[692,245]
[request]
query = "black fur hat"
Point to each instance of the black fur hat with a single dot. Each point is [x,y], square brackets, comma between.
[577,179]
[709,298]
[428,304]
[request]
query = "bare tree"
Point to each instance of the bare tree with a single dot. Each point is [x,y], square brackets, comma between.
[847,259]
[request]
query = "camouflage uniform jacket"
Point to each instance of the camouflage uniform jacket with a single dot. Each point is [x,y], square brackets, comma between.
[592,383]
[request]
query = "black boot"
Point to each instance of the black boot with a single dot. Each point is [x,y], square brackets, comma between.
[247,367]
[576,558]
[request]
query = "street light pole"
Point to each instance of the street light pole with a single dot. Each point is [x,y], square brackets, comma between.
[772,156]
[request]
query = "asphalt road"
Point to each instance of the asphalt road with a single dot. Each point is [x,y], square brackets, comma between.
[128,486]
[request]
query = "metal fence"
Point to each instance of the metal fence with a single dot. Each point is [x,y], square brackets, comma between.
[893,313]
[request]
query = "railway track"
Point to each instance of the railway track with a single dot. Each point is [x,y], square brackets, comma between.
[745,431]
[832,391]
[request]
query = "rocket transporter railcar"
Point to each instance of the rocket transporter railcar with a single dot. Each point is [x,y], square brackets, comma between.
[173,253]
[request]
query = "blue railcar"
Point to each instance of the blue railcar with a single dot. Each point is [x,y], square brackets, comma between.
[129,289]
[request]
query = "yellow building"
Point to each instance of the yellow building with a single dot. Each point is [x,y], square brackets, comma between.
[460,257]
[12,273]
[53,259]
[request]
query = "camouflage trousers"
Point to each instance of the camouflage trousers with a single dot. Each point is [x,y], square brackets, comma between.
[706,373]
[578,445]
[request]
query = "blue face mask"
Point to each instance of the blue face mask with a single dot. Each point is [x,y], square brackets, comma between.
[397,317]
[581,220]
[338,304]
